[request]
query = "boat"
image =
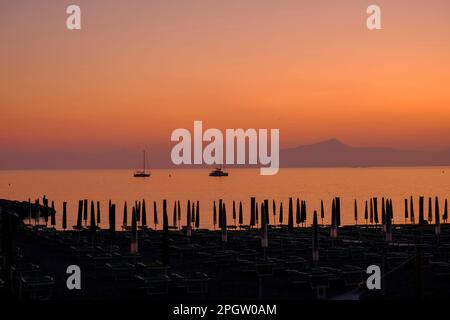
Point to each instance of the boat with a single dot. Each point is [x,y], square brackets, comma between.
[142,173]
[218,172]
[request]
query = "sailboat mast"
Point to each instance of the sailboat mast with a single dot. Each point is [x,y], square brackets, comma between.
[144,160]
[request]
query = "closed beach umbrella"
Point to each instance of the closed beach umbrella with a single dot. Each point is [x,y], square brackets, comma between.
[303,214]
[383,212]
[266,210]
[437,220]
[214,215]
[315,239]
[234,212]
[193,213]
[338,211]
[112,221]
[138,211]
[389,215]
[333,212]
[256,214]
[188,213]
[334,225]
[252,211]
[52,215]
[406,210]
[322,211]
[46,212]
[392,211]
[274,212]
[80,215]
[445,214]
[144,214]
[366,213]
[355,212]
[98,213]
[188,219]
[263,213]
[264,238]
[421,210]
[241,216]
[165,235]
[224,224]
[134,240]
[197,215]
[93,225]
[37,208]
[125,215]
[280,218]
[85,213]
[411,208]
[371,210]
[174,221]
[297,213]
[375,210]
[291,216]
[430,210]
[155,214]
[220,214]
[64,217]
[179,213]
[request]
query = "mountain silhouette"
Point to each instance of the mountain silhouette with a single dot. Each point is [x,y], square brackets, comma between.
[334,153]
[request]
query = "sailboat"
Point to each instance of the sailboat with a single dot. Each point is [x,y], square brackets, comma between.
[218,172]
[142,173]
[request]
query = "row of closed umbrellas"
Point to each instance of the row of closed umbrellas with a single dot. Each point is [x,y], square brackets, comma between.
[91,212]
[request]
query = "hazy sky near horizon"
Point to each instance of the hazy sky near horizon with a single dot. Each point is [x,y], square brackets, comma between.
[137,70]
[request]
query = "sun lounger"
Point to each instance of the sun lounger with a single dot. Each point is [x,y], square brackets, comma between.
[352,275]
[22,269]
[121,270]
[319,278]
[152,268]
[97,260]
[440,269]
[156,284]
[36,287]
[297,277]
[196,283]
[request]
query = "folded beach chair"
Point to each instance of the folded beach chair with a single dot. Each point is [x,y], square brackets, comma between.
[156,284]
[36,287]
[121,270]
[195,283]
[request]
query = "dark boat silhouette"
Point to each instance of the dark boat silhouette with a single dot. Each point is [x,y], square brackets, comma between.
[142,173]
[218,172]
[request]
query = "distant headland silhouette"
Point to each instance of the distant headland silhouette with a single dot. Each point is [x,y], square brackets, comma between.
[334,153]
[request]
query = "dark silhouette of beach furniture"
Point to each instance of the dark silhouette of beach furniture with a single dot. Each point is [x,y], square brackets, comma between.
[352,275]
[149,268]
[153,277]
[192,283]
[121,270]
[319,280]
[18,271]
[97,261]
[440,270]
[156,284]
[36,286]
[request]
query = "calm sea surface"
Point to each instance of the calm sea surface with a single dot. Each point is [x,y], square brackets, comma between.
[311,185]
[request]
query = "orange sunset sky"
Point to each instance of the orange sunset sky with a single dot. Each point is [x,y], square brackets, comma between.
[137,70]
